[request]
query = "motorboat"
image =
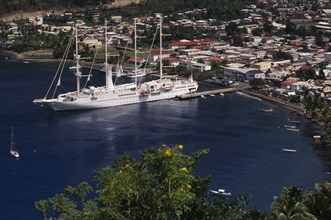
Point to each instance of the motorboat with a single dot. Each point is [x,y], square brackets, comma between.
[267,110]
[220,192]
[289,150]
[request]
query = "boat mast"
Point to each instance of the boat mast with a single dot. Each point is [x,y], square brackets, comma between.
[135,50]
[12,141]
[159,15]
[109,79]
[78,73]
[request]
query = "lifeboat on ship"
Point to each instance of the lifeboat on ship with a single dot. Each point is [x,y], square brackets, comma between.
[145,92]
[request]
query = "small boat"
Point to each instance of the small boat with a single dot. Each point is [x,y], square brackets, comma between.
[289,150]
[290,126]
[220,192]
[267,110]
[212,95]
[293,129]
[13,152]
[221,94]
[202,96]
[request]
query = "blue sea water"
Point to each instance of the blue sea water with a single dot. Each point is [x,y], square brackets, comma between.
[64,148]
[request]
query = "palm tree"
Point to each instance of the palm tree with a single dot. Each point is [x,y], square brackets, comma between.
[289,205]
[319,203]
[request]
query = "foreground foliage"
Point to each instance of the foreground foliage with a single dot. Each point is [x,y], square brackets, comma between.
[163,184]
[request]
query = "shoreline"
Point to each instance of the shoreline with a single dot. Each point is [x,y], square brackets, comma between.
[296,108]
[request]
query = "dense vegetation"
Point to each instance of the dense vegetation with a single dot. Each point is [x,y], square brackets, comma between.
[28,5]
[164,184]
[221,9]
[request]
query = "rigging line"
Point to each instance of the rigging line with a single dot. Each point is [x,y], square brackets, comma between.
[89,74]
[118,68]
[57,71]
[65,58]
[149,53]
[127,43]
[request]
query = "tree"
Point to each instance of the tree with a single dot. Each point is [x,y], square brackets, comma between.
[238,41]
[256,32]
[319,202]
[257,83]
[319,40]
[161,185]
[290,27]
[306,73]
[289,205]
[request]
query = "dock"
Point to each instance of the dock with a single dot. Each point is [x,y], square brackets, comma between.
[206,93]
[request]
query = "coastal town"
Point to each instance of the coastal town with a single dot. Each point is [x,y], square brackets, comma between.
[233,120]
[289,48]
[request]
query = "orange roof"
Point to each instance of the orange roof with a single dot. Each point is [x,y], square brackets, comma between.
[216,58]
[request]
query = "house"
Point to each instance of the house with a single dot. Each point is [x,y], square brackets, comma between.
[297,86]
[155,55]
[172,61]
[200,67]
[255,74]
[287,83]
[236,72]
[201,24]
[92,43]
[260,54]
[276,74]
[140,61]
[263,66]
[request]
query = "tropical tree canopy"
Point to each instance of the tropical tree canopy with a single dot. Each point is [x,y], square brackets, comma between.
[163,184]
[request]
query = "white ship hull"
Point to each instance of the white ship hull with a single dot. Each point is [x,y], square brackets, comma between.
[111,95]
[111,99]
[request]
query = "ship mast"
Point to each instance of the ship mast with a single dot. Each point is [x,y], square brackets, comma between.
[159,15]
[77,57]
[135,50]
[109,79]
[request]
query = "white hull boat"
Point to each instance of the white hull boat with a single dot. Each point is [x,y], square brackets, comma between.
[220,192]
[116,95]
[13,152]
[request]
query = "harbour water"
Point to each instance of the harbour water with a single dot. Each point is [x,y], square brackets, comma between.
[64,148]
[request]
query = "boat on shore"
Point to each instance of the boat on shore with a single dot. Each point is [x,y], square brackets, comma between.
[289,150]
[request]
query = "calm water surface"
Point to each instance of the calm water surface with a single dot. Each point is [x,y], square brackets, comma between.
[60,149]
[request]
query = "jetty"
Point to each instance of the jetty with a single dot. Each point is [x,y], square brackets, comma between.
[206,93]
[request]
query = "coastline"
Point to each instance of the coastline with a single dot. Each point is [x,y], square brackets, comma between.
[296,108]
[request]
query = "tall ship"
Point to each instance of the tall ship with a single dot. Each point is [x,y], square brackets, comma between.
[166,87]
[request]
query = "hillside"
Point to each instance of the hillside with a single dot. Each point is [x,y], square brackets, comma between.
[218,9]
[10,9]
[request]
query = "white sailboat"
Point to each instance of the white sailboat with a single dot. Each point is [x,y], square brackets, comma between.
[13,152]
[166,87]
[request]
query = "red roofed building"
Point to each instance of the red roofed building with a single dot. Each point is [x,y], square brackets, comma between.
[287,83]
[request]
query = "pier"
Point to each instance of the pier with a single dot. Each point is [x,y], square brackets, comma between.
[206,93]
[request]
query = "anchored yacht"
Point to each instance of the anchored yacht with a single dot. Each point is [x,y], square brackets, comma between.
[166,87]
